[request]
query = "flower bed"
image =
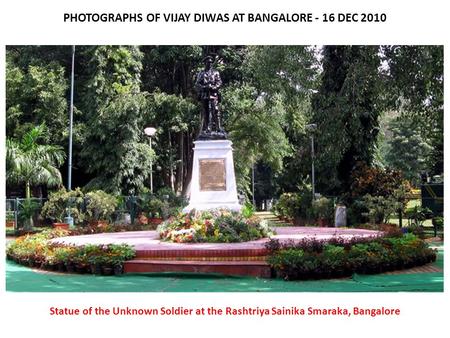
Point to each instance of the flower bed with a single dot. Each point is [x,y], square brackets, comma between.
[37,251]
[214,226]
[313,259]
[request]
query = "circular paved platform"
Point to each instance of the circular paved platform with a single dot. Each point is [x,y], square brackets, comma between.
[149,240]
[244,259]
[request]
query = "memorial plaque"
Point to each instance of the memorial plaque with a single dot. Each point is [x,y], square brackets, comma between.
[212,174]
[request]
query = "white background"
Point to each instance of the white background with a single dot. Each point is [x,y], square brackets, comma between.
[41,22]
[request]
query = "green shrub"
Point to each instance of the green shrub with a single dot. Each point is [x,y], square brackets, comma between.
[357,213]
[150,205]
[418,215]
[323,208]
[164,203]
[248,210]
[37,250]
[288,205]
[438,224]
[10,215]
[380,208]
[416,230]
[59,203]
[64,254]
[27,210]
[313,259]
[99,205]
[376,194]
[172,204]
[333,258]
[117,254]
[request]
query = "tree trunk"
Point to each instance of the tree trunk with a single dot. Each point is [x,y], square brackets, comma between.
[28,191]
[171,173]
[188,164]
[180,170]
[28,223]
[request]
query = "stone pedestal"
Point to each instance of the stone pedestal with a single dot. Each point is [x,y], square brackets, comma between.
[213,183]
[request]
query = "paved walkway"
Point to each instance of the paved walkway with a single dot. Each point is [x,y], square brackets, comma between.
[272,219]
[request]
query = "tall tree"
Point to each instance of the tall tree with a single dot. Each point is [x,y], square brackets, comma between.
[346,111]
[408,150]
[415,87]
[115,148]
[283,79]
[168,74]
[256,132]
[175,118]
[35,95]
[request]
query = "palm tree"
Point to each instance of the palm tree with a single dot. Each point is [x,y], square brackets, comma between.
[31,163]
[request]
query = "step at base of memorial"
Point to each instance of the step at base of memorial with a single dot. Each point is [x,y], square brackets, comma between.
[256,268]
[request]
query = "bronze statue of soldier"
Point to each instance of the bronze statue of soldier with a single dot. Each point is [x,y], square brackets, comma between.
[207,84]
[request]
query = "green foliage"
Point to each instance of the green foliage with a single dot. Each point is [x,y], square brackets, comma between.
[27,210]
[30,246]
[248,210]
[37,250]
[267,111]
[438,225]
[99,205]
[376,194]
[438,222]
[266,103]
[36,94]
[170,68]
[415,76]
[31,163]
[285,77]
[319,260]
[256,131]
[417,215]
[216,226]
[380,208]
[153,207]
[172,204]
[161,205]
[177,119]
[10,215]
[287,205]
[346,112]
[115,149]
[323,208]
[408,150]
[117,254]
[292,205]
[169,73]
[59,203]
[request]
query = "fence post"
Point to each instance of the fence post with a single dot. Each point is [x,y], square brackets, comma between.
[16,211]
[132,200]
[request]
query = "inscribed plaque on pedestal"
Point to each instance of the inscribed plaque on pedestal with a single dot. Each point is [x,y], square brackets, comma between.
[212,175]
